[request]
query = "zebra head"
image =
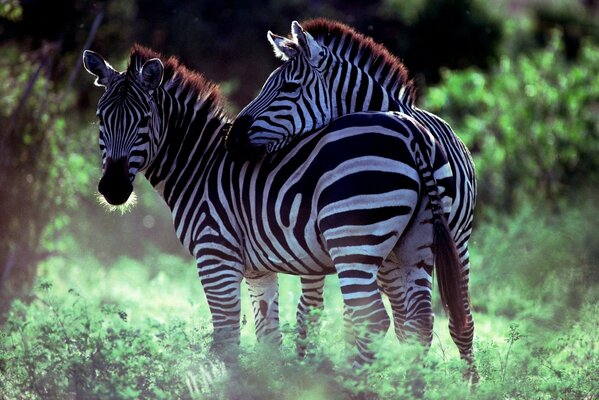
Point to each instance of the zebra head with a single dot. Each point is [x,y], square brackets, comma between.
[293,100]
[127,115]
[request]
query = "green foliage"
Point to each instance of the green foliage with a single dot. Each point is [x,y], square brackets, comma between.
[31,136]
[88,335]
[140,329]
[11,10]
[532,124]
[539,265]
[576,20]
[541,366]
[62,346]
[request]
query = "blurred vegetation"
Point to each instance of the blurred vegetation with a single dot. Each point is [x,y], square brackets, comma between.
[109,305]
[35,178]
[532,124]
[94,332]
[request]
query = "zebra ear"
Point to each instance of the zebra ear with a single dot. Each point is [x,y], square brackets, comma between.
[284,48]
[151,74]
[97,66]
[307,43]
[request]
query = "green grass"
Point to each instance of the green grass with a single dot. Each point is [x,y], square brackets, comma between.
[141,329]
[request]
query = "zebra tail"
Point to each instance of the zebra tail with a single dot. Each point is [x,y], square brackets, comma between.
[449,271]
[448,266]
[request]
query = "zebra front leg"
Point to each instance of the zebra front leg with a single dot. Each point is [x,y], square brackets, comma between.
[264,293]
[309,307]
[222,286]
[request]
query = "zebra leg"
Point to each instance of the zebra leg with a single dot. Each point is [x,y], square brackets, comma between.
[264,294]
[222,286]
[407,277]
[350,338]
[364,303]
[310,300]
[463,340]
[391,282]
[409,288]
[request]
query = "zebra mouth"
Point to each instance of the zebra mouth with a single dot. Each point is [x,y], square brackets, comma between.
[117,198]
[115,185]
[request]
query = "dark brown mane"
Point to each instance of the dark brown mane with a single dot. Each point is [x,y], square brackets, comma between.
[329,33]
[177,75]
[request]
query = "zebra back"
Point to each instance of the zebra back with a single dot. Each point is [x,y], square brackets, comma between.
[364,53]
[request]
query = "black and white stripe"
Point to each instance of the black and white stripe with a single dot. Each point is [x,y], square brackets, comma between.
[339,201]
[329,71]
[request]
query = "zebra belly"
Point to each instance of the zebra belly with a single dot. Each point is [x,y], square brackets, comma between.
[287,248]
[298,264]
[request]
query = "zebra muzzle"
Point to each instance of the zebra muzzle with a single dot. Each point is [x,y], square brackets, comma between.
[237,140]
[115,184]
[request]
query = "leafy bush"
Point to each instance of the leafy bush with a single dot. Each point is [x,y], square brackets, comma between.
[67,345]
[577,20]
[131,331]
[11,10]
[532,124]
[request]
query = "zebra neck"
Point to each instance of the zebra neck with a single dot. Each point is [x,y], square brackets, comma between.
[354,90]
[191,141]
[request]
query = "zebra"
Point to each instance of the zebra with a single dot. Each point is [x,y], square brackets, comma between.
[331,70]
[352,199]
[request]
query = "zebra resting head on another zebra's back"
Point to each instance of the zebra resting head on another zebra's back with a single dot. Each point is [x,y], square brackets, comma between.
[358,198]
[330,70]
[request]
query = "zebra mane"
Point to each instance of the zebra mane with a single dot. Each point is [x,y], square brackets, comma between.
[363,52]
[176,75]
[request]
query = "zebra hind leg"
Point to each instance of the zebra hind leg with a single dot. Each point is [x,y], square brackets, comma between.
[309,308]
[364,303]
[264,294]
[406,276]
[391,283]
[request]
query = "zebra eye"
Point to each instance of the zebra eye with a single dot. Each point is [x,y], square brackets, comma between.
[289,87]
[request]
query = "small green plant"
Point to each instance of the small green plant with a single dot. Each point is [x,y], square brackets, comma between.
[512,337]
